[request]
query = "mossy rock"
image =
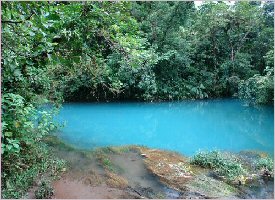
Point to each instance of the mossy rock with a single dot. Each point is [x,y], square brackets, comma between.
[211,187]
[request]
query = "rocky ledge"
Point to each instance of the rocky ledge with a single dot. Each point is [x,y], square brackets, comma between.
[141,172]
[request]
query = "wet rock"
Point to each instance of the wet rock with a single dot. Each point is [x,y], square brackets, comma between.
[147,192]
[169,167]
[209,187]
[260,189]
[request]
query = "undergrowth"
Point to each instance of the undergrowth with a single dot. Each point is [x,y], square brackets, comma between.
[17,179]
[44,191]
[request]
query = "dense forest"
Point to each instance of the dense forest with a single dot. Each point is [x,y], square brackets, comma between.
[122,51]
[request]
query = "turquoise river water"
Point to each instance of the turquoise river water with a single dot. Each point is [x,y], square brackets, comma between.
[185,126]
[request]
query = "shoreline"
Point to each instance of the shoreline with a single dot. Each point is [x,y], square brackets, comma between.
[141,172]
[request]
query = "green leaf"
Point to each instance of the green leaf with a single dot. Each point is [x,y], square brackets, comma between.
[9,147]
[16,145]
[8,134]
[54,17]
[32,33]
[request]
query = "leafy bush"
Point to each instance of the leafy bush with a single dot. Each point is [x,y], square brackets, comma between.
[23,155]
[266,163]
[257,89]
[44,191]
[226,166]
[22,124]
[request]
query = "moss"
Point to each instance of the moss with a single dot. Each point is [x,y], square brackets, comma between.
[113,149]
[211,187]
[107,164]
[55,142]
[102,156]
[120,149]
[160,196]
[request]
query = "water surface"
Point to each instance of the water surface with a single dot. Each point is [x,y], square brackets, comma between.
[185,127]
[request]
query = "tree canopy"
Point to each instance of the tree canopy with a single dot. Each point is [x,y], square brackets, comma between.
[133,50]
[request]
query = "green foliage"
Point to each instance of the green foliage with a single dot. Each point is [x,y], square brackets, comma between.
[16,186]
[221,47]
[107,164]
[20,124]
[266,163]
[196,48]
[223,165]
[27,35]
[19,177]
[44,191]
[258,89]
[133,50]
[16,123]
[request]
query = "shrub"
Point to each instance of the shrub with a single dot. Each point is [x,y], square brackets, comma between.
[44,191]
[15,183]
[24,156]
[266,163]
[226,166]
[258,89]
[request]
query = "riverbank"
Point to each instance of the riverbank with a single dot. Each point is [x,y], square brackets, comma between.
[140,172]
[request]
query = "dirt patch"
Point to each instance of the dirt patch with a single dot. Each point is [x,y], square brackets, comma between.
[87,179]
[70,189]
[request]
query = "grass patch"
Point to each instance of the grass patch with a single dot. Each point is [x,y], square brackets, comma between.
[224,165]
[106,162]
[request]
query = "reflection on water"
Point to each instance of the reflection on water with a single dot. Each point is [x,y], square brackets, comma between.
[185,126]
